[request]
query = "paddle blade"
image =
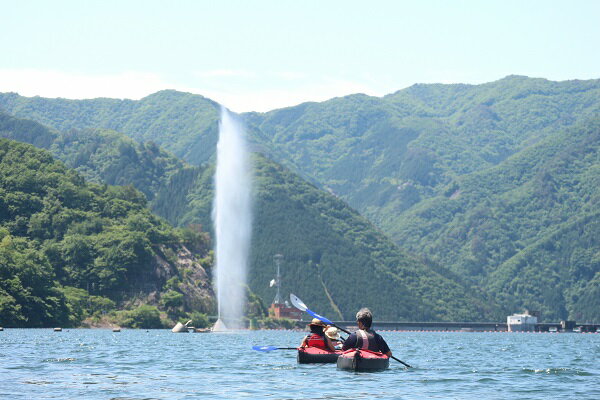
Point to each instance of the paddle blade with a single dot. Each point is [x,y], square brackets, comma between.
[319,317]
[299,304]
[266,349]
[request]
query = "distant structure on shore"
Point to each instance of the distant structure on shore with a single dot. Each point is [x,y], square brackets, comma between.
[525,322]
[281,309]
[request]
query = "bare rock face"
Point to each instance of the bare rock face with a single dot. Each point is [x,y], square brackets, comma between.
[195,284]
[163,269]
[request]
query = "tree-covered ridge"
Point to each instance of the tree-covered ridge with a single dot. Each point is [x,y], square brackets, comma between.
[328,228]
[468,176]
[382,155]
[320,233]
[62,239]
[403,148]
[182,123]
[110,157]
[525,230]
[333,256]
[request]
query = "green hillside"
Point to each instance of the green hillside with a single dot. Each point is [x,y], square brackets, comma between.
[469,177]
[334,258]
[71,250]
[385,155]
[526,229]
[325,242]
[381,155]
[103,156]
[182,123]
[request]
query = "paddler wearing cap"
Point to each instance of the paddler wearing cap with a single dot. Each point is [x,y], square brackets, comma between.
[317,337]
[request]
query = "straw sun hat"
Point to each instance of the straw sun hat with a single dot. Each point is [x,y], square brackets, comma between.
[332,333]
[317,321]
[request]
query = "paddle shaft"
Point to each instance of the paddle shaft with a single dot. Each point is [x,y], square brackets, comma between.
[267,349]
[401,362]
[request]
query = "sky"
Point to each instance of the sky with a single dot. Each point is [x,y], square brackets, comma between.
[261,55]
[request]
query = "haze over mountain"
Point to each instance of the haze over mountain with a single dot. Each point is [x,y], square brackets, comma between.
[496,182]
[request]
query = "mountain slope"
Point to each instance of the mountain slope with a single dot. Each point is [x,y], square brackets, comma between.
[328,246]
[468,176]
[64,241]
[185,124]
[492,219]
[382,155]
[322,239]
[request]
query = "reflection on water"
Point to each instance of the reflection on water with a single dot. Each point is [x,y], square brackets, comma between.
[157,364]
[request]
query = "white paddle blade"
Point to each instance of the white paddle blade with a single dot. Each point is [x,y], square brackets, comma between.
[299,304]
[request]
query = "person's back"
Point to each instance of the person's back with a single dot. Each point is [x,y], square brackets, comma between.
[366,338]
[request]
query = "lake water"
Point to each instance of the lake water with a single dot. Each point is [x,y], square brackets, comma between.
[158,364]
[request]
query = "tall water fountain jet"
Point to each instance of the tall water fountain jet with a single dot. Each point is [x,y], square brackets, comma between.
[232,218]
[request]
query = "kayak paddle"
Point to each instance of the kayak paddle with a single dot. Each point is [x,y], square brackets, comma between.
[267,349]
[299,304]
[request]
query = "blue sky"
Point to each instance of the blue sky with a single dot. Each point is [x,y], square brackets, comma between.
[261,55]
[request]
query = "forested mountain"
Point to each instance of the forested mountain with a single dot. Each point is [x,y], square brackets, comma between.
[327,246]
[477,178]
[335,257]
[381,155]
[183,123]
[525,229]
[384,155]
[71,249]
[101,156]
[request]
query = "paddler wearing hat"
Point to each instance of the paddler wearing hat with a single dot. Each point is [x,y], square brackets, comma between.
[333,334]
[317,337]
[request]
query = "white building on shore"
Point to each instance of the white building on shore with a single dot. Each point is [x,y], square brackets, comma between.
[521,322]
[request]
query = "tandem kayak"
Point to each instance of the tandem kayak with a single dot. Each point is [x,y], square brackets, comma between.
[313,355]
[363,360]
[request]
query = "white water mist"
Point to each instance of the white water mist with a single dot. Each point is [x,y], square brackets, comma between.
[232,217]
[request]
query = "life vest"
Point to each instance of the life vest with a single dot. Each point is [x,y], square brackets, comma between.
[366,340]
[318,341]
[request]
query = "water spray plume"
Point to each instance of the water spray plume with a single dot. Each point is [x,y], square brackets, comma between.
[232,219]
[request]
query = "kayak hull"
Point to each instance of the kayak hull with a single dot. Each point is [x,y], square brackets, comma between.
[363,361]
[314,355]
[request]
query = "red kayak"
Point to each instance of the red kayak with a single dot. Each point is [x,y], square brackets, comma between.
[363,360]
[312,355]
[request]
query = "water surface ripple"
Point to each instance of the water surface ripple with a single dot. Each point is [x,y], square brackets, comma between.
[157,364]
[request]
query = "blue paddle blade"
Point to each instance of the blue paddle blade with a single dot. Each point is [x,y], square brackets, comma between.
[266,349]
[319,317]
